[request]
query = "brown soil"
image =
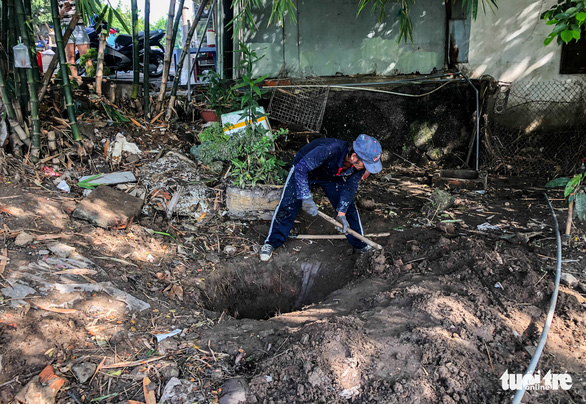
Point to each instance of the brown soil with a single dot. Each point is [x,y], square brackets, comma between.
[436,318]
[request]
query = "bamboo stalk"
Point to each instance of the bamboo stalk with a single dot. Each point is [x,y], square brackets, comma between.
[4,27]
[100,67]
[64,71]
[186,51]
[32,86]
[31,39]
[21,92]
[10,112]
[11,33]
[172,26]
[19,116]
[135,59]
[146,58]
[53,65]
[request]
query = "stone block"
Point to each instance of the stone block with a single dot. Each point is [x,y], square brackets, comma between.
[253,203]
[108,208]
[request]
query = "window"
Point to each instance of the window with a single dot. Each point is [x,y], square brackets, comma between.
[574,57]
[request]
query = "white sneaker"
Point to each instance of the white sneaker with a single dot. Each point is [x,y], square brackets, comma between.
[265,252]
[365,250]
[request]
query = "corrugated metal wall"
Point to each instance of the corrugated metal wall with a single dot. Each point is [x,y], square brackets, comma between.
[328,38]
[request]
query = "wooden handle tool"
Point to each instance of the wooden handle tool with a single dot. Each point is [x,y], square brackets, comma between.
[350,231]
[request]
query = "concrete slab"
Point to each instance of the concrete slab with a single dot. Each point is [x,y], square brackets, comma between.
[108,208]
[253,203]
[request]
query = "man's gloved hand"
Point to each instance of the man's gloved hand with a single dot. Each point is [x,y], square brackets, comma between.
[309,206]
[344,221]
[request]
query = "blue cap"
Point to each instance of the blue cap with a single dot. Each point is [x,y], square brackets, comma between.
[369,150]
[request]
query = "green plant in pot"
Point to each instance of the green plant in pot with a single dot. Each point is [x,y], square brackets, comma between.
[219,97]
[248,87]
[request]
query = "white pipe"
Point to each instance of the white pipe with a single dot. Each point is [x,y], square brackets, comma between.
[543,338]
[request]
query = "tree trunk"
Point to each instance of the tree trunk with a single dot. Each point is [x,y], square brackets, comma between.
[100,67]
[32,87]
[172,26]
[51,68]
[135,54]
[147,58]
[40,36]
[64,71]
[186,51]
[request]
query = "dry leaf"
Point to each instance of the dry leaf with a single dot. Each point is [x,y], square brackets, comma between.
[149,395]
[176,291]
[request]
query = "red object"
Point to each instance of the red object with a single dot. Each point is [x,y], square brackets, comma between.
[50,172]
[209,115]
[40,61]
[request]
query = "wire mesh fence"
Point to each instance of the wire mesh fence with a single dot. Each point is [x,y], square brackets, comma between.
[535,128]
[302,105]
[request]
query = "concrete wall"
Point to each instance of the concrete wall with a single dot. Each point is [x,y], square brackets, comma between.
[328,38]
[508,44]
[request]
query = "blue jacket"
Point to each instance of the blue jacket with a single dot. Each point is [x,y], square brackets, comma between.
[322,160]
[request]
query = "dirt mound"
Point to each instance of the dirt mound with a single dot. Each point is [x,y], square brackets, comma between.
[453,302]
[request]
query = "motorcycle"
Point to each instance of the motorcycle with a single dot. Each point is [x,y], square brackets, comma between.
[119,57]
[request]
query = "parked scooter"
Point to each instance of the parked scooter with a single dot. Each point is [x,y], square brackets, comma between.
[119,57]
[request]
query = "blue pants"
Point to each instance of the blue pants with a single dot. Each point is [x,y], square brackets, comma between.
[289,206]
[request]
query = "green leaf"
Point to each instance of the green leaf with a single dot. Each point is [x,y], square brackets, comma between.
[549,39]
[120,19]
[559,28]
[567,35]
[87,182]
[239,85]
[581,17]
[162,234]
[576,35]
[95,400]
[115,372]
[580,206]
[557,182]
[260,79]
[551,22]
[572,184]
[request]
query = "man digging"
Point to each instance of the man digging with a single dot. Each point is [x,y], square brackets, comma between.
[337,167]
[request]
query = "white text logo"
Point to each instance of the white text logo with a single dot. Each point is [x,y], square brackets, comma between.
[551,381]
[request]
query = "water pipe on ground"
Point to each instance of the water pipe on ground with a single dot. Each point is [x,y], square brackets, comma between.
[543,338]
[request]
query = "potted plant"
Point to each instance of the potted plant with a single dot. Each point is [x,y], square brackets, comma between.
[219,97]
